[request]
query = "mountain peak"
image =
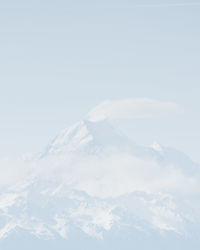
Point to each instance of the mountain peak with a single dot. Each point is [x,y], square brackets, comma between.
[87,136]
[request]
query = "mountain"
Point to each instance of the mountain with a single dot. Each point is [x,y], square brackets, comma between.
[87,137]
[93,188]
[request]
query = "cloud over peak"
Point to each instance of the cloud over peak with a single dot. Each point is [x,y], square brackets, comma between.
[132,108]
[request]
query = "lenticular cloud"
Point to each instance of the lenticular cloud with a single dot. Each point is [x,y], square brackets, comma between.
[132,108]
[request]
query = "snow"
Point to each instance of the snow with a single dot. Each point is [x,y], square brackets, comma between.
[94,179]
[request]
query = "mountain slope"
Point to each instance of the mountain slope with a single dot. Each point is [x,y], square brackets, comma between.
[96,137]
[94,183]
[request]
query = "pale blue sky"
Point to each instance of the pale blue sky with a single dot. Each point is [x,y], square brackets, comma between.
[58,59]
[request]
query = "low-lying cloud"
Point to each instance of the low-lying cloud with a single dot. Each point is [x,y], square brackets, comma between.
[109,175]
[161,195]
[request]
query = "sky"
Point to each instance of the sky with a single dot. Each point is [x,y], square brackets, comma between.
[60,59]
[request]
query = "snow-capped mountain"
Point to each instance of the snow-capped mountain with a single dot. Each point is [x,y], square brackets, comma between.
[91,183]
[89,137]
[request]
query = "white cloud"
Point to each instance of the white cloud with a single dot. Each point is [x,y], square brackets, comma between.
[13,170]
[112,181]
[116,174]
[132,108]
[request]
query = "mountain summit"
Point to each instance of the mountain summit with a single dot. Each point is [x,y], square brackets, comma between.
[94,138]
[87,136]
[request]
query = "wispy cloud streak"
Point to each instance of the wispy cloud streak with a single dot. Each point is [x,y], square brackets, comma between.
[160,5]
